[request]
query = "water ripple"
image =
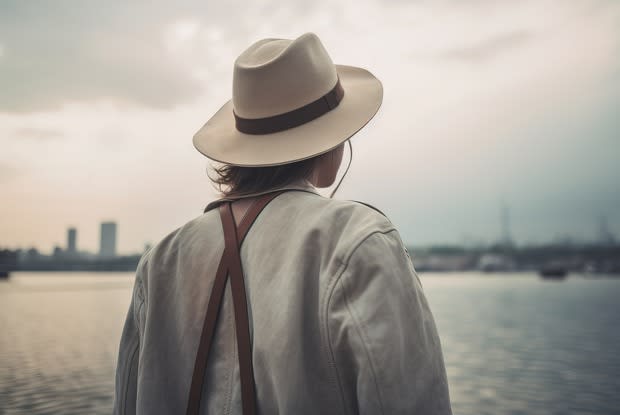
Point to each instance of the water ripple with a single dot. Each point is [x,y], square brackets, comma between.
[513,344]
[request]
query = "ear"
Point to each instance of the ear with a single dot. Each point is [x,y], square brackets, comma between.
[318,171]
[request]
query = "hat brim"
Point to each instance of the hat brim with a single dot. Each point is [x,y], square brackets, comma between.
[220,141]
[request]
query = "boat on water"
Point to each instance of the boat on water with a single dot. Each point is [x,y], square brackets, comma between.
[553,272]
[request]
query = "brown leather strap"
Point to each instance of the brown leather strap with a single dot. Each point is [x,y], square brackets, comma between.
[230,264]
[242,325]
[208,330]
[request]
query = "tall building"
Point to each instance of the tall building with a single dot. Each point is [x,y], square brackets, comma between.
[107,246]
[72,240]
[506,235]
[605,235]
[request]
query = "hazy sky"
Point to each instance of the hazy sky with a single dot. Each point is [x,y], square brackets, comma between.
[486,102]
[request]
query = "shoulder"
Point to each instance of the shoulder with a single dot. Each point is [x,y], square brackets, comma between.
[334,226]
[374,245]
[360,218]
[350,215]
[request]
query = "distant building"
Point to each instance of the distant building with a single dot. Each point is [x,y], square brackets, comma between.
[8,261]
[107,246]
[32,254]
[605,235]
[72,240]
[505,240]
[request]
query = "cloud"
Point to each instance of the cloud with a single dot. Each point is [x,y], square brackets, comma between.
[7,172]
[35,133]
[488,48]
[88,51]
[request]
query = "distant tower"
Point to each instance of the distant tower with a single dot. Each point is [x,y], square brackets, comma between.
[57,252]
[107,247]
[506,237]
[605,236]
[72,240]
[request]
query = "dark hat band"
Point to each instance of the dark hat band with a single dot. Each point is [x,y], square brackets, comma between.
[294,118]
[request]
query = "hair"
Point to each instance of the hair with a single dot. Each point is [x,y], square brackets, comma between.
[238,181]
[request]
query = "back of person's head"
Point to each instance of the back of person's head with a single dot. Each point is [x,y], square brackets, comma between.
[239,180]
[320,171]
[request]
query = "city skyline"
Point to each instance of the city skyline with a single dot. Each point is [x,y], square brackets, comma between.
[601,235]
[106,249]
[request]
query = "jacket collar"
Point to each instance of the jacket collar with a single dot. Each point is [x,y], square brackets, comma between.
[301,186]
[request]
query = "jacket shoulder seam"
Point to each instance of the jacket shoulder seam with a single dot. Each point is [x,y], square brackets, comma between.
[140,297]
[127,377]
[360,330]
[347,258]
[368,205]
[330,293]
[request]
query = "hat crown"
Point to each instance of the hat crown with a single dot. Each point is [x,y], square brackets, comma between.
[275,76]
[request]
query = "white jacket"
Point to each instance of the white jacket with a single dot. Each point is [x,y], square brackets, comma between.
[339,321]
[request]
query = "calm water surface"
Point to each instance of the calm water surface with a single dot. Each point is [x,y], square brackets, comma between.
[513,344]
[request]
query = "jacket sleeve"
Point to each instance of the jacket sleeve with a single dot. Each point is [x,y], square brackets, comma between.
[128,355]
[382,335]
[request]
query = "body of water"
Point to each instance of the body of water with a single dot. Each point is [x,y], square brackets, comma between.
[513,344]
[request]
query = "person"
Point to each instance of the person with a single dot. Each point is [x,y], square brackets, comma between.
[335,317]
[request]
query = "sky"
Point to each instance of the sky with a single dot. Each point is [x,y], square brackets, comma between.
[487,103]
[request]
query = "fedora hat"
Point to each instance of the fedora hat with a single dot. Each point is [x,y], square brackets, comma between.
[289,103]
